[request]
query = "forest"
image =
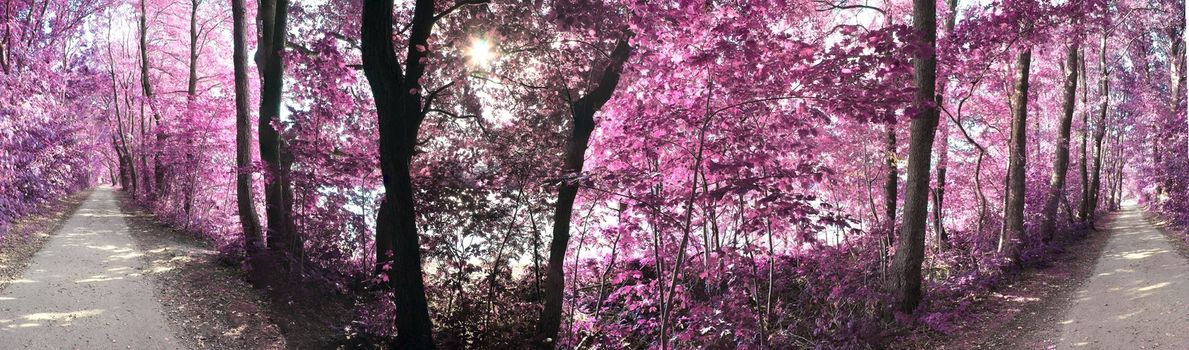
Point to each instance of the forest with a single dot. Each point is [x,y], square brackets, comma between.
[607,174]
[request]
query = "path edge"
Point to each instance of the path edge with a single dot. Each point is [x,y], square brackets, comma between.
[36,240]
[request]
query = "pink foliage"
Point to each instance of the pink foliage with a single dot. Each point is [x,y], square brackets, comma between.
[732,195]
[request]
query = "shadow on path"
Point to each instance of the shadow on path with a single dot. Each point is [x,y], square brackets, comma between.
[85,289]
[1135,297]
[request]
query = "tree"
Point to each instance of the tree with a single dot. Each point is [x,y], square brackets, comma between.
[891,185]
[1018,154]
[147,87]
[399,108]
[1090,202]
[271,27]
[1083,165]
[905,280]
[249,222]
[582,111]
[951,19]
[123,150]
[1061,159]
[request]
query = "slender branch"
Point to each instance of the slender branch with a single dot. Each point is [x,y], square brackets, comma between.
[457,6]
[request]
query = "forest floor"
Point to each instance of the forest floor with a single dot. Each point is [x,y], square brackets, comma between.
[1120,287]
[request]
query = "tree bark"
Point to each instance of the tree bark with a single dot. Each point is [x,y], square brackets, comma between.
[147,86]
[1018,157]
[1176,70]
[1116,189]
[128,166]
[192,81]
[1104,102]
[1084,166]
[943,153]
[144,147]
[891,185]
[905,280]
[248,220]
[191,96]
[4,42]
[582,112]
[1061,160]
[398,98]
[278,191]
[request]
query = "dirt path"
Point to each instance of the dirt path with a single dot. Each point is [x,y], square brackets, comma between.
[1136,297]
[86,289]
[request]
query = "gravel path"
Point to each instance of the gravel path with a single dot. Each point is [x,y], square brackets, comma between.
[1136,297]
[85,289]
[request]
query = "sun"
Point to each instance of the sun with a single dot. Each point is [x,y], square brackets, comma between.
[481,53]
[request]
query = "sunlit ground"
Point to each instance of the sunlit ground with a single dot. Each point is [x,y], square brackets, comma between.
[1135,297]
[86,287]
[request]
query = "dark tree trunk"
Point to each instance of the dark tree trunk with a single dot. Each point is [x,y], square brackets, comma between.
[1061,160]
[278,192]
[1084,166]
[144,147]
[1176,70]
[582,111]
[1176,67]
[115,145]
[123,152]
[248,220]
[192,81]
[891,185]
[191,95]
[146,85]
[1119,172]
[1104,101]
[1018,158]
[111,175]
[905,279]
[1116,190]
[4,42]
[943,152]
[400,113]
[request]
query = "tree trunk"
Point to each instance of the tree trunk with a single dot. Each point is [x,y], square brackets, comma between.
[147,86]
[905,280]
[1018,157]
[128,167]
[943,152]
[192,82]
[191,96]
[890,188]
[1084,166]
[939,193]
[400,113]
[278,192]
[582,111]
[1104,101]
[978,185]
[1117,170]
[1176,70]
[4,42]
[144,147]
[248,220]
[1061,160]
